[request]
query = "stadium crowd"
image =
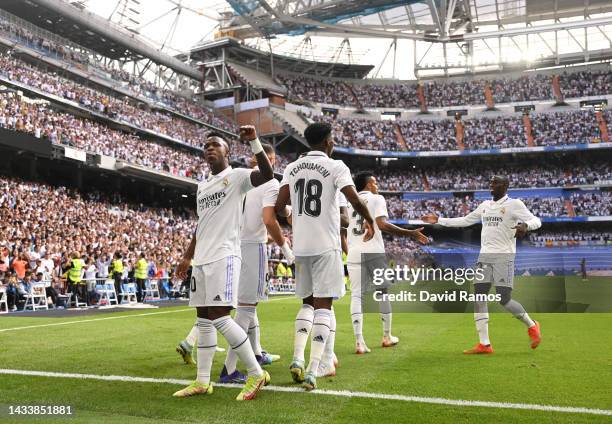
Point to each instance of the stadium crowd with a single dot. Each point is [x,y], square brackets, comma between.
[43,227]
[44,223]
[137,84]
[122,110]
[475,176]
[570,127]
[440,93]
[22,114]
[585,204]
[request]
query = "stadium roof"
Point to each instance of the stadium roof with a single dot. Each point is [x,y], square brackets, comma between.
[233,50]
[92,32]
[427,20]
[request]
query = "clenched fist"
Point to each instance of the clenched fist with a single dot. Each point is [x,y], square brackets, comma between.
[247,133]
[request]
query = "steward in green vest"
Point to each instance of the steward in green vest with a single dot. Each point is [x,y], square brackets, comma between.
[117,272]
[77,287]
[140,274]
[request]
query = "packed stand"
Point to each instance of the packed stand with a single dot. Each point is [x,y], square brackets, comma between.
[556,128]
[382,95]
[428,135]
[19,113]
[587,204]
[43,228]
[362,133]
[45,225]
[317,90]
[586,83]
[137,84]
[592,204]
[473,176]
[49,82]
[441,93]
[494,133]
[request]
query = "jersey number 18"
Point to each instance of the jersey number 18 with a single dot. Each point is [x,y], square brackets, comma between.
[308,193]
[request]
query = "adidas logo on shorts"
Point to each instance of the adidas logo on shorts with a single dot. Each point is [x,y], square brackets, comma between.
[217,298]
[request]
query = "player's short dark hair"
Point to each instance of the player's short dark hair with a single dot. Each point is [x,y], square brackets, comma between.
[216,134]
[219,135]
[317,132]
[361,179]
[268,148]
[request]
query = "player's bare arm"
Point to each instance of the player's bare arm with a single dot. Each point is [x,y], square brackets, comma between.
[387,227]
[265,173]
[344,218]
[283,199]
[274,231]
[351,195]
[430,218]
[183,266]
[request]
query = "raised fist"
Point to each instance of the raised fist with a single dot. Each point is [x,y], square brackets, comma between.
[247,133]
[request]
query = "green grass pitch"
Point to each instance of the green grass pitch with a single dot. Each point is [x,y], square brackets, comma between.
[572,367]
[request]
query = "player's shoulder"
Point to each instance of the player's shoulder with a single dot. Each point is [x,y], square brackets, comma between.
[514,202]
[379,197]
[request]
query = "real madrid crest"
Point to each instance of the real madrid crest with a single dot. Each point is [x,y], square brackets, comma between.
[503,211]
[225,182]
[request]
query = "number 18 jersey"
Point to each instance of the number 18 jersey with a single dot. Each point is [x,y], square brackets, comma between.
[378,207]
[314,181]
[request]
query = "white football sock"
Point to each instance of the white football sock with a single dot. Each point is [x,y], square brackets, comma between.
[242,318]
[303,325]
[357,318]
[328,352]
[192,337]
[386,321]
[238,341]
[207,343]
[386,316]
[481,319]
[320,333]
[254,335]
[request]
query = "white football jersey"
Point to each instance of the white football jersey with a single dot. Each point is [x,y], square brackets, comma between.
[253,228]
[377,205]
[497,218]
[314,181]
[219,204]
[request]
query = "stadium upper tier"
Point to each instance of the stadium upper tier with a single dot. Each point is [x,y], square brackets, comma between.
[116,79]
[475,175]
[445,93]
[587,203]
[502,131]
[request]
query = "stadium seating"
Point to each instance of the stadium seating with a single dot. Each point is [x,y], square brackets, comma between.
[439,93]
[475,175]
[501,131]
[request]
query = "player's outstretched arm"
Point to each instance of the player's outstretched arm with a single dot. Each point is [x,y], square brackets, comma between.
[351,195]
[183,266]
[387,227]
[265,172]
[471,218]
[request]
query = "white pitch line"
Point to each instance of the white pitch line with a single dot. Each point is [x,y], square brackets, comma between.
[341,393]
[3,330]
